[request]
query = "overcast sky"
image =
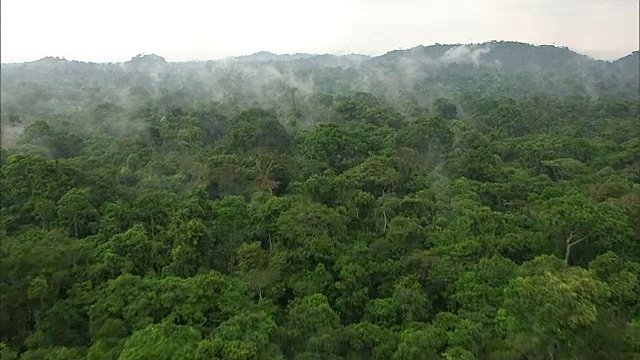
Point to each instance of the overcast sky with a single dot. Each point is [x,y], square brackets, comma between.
[117,30]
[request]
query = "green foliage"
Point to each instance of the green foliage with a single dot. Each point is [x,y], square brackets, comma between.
[445,109]
[550,307]
[164,341]
[322,208]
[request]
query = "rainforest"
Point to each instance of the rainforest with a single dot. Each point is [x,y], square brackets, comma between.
[453,202]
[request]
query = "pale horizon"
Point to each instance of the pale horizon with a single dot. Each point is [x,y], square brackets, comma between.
[192,30]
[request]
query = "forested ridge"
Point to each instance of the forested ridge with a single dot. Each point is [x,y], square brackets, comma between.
[442,202]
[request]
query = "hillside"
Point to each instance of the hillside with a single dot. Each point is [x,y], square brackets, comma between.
[468,202]
[414,75]
[629,64]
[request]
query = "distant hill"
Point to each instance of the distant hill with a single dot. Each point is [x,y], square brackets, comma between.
[512,56]
[629,63]
[506,54]
[414,76]
[150,59]
[502,55]
[268,56]
[301,59]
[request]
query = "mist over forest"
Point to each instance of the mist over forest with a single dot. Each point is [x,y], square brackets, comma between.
[291,85]
[453,202]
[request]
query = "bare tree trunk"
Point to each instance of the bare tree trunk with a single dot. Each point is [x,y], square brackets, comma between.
[36,317]
[384,213]
[571,243]
[552,351]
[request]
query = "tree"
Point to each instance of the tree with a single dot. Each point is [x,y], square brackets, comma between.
[412,299]
[367,341]
[375,175]
[231,227]
[571,298]
[244,336]
[580,225]
[269,171]
[421,343]
[311,325]
[334,145]
[253,265]
[257,129]
[163,341]
[445,109]
[142,253]
[353,286]
[77,212]
[311,232]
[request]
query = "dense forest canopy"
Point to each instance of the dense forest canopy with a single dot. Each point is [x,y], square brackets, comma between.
[443,202]
[294,86]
